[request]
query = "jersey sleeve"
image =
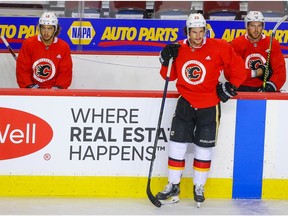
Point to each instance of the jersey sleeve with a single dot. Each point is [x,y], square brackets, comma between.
[234,71]
[64,77]
[239,44]
[173,74]
[23,66]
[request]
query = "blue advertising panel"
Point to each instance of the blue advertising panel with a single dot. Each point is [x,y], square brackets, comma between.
[125,35]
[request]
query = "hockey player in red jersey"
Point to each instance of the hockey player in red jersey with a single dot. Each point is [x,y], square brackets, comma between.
[253,48]
[44,60]
[197,64]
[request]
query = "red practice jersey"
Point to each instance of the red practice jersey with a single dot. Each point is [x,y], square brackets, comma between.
[197,71]
[46,66]
[258,51]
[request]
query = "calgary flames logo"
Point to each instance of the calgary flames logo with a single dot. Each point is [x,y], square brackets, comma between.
[193,72]
[44,69]
[253,61]
[41,70]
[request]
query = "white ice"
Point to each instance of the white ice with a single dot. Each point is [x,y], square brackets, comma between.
[123,206]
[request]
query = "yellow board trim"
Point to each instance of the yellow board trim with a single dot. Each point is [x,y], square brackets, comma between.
[123,187]
[275,189]
[103,187]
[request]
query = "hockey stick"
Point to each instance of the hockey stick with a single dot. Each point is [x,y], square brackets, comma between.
[9,47]
[270,48]
[151,197]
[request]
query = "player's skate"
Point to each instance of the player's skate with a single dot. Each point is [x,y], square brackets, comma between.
[170,194]
[199,194]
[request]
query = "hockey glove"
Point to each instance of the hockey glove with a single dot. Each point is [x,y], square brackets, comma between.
[34,86]
[269,87]
[57,87]
[225,91]
[254,64]
[169,51]
[269,71]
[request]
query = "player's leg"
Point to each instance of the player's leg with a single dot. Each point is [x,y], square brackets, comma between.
[181,134]
[207,125]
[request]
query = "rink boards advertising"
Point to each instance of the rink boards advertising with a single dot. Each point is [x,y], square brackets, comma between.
[126,35]
[100,144]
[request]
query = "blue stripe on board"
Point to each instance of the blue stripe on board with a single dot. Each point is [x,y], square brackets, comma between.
[249,149]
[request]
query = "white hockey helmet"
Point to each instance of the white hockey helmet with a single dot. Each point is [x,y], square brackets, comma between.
[254,16]
[195,20]
[49,18]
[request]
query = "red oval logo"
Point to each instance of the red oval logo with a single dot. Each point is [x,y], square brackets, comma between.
[22,133]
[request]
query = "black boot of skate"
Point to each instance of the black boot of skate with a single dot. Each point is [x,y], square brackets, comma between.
[170,194]
[199,194]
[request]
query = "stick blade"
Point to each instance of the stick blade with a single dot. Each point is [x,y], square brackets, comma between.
[151,197]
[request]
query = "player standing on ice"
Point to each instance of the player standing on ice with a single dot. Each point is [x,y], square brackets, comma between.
[44,60]
[197,64]
[253,48]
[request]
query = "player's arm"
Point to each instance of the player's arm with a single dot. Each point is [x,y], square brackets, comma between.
[168,52]
[235,73]
[240,47]
[64,78]
[23,68]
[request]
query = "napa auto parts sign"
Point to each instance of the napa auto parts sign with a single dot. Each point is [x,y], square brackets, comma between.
[126,35]
[22,133]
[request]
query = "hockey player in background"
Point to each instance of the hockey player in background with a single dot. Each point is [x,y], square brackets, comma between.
[197,62]
[253,48]
[44,60]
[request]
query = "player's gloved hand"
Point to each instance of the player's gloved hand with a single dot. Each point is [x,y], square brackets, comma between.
[254,64]
[225,91]
[57,87]
[169,51]
[34,86]
[269,87]
[269,72]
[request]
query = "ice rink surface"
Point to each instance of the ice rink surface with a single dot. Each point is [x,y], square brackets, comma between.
[96,206]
